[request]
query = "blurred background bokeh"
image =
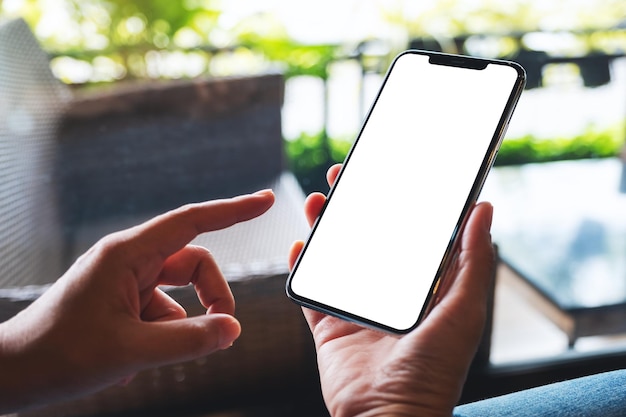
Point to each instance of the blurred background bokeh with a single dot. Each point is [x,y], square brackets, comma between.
[334,54]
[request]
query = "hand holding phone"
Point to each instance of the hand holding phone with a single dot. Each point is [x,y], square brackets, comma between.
[423,372]
[425,149]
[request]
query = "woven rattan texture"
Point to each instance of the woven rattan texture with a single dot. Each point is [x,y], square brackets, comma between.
[31,101]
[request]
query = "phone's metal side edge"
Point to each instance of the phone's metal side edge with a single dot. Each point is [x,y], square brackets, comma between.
[322,308]
[453,246]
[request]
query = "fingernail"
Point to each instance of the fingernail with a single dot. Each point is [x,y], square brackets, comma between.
[266,191]
[229,332]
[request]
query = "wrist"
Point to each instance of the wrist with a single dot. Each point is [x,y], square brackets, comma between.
[25,380]
[11,378]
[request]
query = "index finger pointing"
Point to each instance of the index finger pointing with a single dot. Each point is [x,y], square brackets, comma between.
[168,233]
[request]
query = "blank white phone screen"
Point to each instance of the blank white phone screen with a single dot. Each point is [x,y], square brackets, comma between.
[377,248]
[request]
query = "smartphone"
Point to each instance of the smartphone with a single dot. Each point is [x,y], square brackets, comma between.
[388,229]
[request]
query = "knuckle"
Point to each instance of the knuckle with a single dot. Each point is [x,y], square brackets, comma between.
[109,246]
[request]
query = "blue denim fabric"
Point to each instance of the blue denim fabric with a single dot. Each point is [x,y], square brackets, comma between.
[593,396]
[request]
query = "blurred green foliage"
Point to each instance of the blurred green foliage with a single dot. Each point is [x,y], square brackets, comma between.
[145,24]
[309,160]
[310,155]
[592,143]
[126,32]
[297,59]
[136,34]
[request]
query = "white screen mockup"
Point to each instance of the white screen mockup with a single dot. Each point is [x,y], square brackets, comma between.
[379,244]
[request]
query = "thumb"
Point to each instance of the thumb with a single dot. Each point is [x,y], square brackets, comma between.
[167,342]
